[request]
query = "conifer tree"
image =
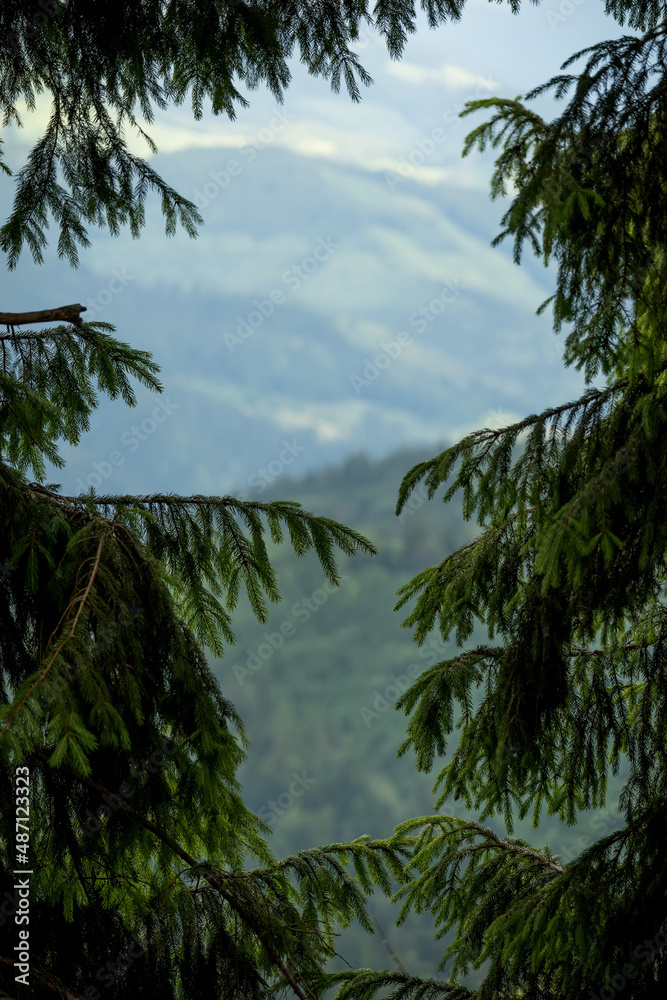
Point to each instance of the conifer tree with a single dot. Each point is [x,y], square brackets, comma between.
[566,576]
[129,864]
[146,873]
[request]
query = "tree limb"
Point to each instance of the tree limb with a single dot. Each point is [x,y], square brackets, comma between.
[62,314]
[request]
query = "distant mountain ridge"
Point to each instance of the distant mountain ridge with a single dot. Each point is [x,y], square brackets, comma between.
[408,329]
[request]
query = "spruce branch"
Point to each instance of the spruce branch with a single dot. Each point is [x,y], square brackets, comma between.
[365,984]
[307,866]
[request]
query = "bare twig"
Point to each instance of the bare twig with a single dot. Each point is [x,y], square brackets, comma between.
[61,314]
[385,942]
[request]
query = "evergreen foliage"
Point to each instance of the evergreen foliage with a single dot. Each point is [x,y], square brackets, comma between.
[140,840]
[107,67]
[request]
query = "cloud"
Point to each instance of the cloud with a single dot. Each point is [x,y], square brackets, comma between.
[453,77]
[395,248]
[347,419]
[375,136]
[488,420]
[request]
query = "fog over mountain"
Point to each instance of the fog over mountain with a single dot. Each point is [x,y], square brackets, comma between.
[336,316]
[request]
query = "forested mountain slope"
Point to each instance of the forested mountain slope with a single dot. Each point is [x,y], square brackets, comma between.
[316,687]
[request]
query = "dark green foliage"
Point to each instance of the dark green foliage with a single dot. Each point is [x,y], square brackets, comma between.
[107,67]
[364,984]
[591,195]
[49,383]
[573,551]
[139,837]
[108,606]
